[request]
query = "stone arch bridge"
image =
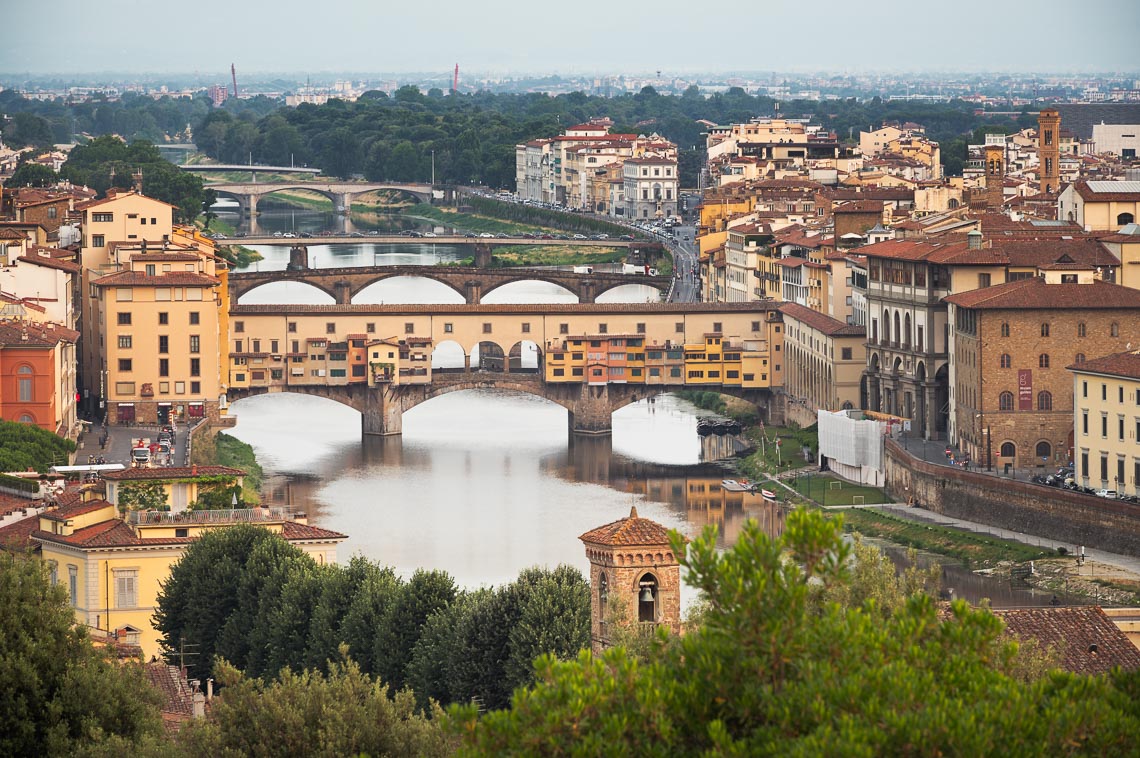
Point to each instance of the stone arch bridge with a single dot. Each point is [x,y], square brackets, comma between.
[590,407]
[343,284]
[247,194]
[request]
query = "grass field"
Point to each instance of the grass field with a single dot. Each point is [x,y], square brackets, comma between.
[968,547]
[769,459]
[827,490]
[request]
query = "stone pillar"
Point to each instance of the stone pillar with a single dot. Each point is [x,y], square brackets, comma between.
[343,292]
[482,254]
[298,258]
[381,415]
[928,390]
[473,292]
[251,206]
[587,292]
[343,202]
[592,411]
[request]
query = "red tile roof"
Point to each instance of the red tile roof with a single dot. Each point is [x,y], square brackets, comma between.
[116,533]
[169,279]
[1125,364]
[1086,639]
[174,472]
[629,531]
[821,321]
[35,334]
[18,535]
[66,512]
[1035,294]
[1086,192]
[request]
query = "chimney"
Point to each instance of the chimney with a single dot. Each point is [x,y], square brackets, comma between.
[138,181]
[194,470]
[209,690]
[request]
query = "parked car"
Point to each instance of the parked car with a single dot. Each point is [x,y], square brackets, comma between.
[1110,494]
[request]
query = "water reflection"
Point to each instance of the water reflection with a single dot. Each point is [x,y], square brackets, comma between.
[483,483]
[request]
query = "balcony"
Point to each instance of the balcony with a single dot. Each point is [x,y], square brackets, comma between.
[224,516]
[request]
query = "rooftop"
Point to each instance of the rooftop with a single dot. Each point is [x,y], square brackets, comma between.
[1125,364]
[1087,641]
[1035,294]
[173,472]
[629,531]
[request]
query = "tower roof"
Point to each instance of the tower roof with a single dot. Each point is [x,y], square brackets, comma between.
[632,530]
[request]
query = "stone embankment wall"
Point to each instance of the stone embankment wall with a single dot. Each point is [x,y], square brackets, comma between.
[1048,512]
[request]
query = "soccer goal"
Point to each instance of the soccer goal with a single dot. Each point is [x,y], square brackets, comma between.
[857,500]
[835,485]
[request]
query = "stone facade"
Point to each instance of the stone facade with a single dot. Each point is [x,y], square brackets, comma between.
[1058,514]
[631,560]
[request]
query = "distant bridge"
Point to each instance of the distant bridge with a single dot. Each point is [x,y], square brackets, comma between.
[344,284]
[246,167]
[439,239]
[340,193]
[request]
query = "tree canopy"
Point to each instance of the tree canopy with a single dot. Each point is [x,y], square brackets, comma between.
[27,446]
[107,161]
[777,667]
[61,694]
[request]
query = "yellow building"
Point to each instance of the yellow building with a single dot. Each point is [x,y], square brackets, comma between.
[154,310]
[825,363]
[113,564]
[1106,422]
[1100,205]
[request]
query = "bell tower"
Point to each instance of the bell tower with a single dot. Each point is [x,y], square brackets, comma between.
[995,176]
[632,563]
[1049,149]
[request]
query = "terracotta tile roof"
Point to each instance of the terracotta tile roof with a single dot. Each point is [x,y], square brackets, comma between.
[172,279]
[1126,193]
[544,308]
[1035,294]
[11,234]
[294,530]
[629,531]
[1087,640]
[35,334]
[173,472]
[11,503]
[821,321]
[18,535]
[860,206]
[178,698]
[47,261]
[1126,364]
[167,257]
[66,512]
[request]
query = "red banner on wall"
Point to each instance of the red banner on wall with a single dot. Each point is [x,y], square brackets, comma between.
[1024,389]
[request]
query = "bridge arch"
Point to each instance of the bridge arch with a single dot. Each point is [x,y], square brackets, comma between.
[297,286]
[332,197]
[387,279]
[448,355]
[525,356]
[604,289]
[534,277]
[489,356]
[418,197]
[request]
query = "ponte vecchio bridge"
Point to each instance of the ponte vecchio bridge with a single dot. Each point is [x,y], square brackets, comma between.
[591,359]
[343,284]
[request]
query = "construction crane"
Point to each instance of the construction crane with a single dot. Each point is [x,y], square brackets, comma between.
[455,81]
[233,75]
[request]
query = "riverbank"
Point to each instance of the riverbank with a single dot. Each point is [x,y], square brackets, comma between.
[239,256]
[223,450]
[1040,566]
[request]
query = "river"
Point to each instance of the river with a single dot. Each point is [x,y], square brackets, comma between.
[484,483]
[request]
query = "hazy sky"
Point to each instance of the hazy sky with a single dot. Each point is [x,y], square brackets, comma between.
[546,36]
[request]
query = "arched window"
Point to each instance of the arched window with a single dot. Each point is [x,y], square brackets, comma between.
[603,594]
[886,327]
[24,384]
[1114,329]
[1081,329]
[1006,361]
[1043,360]
[1008,450]
[1045,329]
[898,328]
[906,331]
[1080,358]
[647,598]
[1124,218]
[1044,450]
[1005,401]
[1005,329]
[26,419]
[1044,401]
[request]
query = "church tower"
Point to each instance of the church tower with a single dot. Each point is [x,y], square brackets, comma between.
[995,176]
[632,563]
[1049,149]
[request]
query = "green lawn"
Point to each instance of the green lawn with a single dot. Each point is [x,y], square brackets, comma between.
[828,490]
[769,458]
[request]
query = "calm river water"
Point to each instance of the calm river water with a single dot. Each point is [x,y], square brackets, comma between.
[483,483]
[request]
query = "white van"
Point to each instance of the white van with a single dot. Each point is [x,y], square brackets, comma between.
[140,457]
